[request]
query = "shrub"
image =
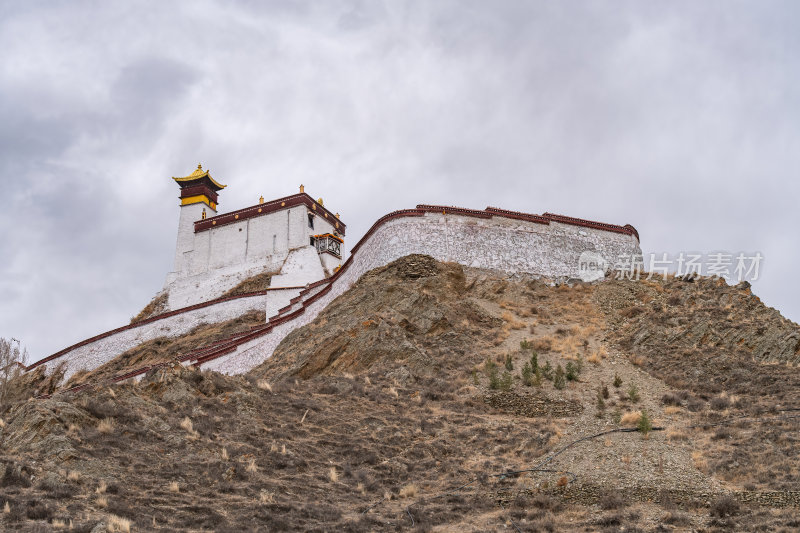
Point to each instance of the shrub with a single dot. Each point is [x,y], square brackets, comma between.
[695,405]
[724,506]
[616,416]
[671,399]
[509,363]
[543,344]
[617,380]
[719,403]
[37,510]
[12,364]
[525,344]
[506,381]
[15,476]
[604,392]
[611,500]
[644,426]
[559,381]
[579,364]
[475,377]
[633,393]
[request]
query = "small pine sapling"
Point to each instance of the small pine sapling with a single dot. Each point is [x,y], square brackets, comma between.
[492,373]
[506,381]
[644,426]
[509,363]
[633,393]
[559,380]
[572,372]
[617,380]
[547,371]
[527,374]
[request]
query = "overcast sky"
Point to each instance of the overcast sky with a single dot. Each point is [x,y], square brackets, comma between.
[681,118]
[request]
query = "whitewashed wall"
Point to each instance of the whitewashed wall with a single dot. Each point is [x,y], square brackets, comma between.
[211,262]
[502,244]
[103,350]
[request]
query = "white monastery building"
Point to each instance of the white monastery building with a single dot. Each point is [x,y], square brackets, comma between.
[298,244]
[294,238]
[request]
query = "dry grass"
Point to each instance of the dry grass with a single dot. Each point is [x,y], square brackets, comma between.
[156,306]
[593,358]
[676,435]
[409,491]
[256,283]
[543,344]
[631,418]
[117,524]
[74,475]
[672,410]
[101,488]
[101,501]
[174,486]
[224,454]
[699,461]
[333,475]
[106,426]
[265,497]
[7,508]
[510,321]
[263,384]
[188,426]
[251,466]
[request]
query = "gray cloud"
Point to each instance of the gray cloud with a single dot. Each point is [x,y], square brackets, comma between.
[676,117]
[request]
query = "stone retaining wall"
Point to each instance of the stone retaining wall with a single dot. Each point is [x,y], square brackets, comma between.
[480,241]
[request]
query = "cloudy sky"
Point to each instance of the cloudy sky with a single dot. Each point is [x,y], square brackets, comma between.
[681,118]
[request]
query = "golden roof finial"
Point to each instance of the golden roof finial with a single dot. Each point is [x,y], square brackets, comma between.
[320,202]
[199,166]
[261,199]
[302,189]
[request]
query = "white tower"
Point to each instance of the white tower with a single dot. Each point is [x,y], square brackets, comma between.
[198,201]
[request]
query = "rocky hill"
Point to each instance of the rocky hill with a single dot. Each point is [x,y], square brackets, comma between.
[437,398]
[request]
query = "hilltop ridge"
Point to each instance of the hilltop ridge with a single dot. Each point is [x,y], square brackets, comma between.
[404,402]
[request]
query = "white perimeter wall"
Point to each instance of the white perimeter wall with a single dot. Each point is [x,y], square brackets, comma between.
[507,245]
[103,350]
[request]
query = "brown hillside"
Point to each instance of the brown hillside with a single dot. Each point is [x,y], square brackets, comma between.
[405,405]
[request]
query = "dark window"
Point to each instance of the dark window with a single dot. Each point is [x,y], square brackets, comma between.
[313,241]
[311,221]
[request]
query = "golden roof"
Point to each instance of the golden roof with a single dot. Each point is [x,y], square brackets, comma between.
[197,174]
